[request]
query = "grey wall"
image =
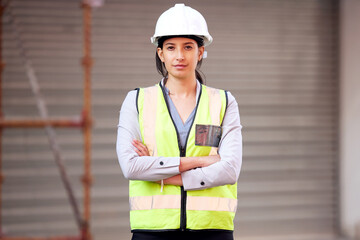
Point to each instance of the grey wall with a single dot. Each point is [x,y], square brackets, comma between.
[277,57]
[350,118]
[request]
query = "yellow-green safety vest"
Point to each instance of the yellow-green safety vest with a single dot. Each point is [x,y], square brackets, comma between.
[173,208]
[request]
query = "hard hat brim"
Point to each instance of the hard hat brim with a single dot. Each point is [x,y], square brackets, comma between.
[207,39]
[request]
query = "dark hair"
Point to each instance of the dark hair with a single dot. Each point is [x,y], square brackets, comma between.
[160,66]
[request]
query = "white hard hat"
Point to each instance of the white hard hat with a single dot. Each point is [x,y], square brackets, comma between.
[181,20]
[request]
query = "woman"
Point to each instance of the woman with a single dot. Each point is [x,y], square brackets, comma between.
[179,142]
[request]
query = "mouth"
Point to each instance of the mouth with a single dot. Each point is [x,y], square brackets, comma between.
[180,66]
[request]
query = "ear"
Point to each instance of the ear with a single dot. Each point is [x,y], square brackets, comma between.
[201,52]
[160,54]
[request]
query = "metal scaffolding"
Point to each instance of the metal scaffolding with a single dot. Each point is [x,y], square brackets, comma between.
[84,122]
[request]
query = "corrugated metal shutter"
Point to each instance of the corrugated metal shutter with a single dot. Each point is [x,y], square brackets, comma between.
[279,59]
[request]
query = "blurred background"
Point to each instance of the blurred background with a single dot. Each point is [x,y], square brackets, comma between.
[293,66]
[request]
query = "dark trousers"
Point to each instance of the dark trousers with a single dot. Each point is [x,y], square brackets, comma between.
[187,235]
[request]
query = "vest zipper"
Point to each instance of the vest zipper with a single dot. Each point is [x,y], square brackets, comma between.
[183,200]
[182,154]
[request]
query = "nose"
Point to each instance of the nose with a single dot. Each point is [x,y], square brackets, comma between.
[180,55]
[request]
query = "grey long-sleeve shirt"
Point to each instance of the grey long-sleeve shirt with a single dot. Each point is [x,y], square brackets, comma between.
[148,168]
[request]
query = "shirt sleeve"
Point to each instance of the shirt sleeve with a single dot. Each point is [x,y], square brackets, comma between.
[146,168]
[227,170]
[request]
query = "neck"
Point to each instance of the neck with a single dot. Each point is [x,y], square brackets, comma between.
[181,88]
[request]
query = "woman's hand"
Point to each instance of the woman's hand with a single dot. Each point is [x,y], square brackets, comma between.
[209,160]
[140,148]
[174,180]
[187,163]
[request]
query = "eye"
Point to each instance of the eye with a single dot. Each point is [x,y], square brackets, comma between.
[188,47]
[170,48]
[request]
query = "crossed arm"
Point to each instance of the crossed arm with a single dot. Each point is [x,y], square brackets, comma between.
[186,163]
[194,173]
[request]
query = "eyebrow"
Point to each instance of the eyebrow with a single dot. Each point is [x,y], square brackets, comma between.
[170,43]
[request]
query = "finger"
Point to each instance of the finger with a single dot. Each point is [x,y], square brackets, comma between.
[141,147]
[137,144]
[139,153]
[147,152]
[142,150]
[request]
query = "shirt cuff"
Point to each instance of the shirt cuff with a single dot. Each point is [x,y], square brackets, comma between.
[194,180]
[171,164]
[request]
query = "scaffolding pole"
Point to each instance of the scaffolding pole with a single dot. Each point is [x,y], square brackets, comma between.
[87,63]
[2,65]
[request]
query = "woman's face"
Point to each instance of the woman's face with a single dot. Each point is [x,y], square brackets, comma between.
[180,56]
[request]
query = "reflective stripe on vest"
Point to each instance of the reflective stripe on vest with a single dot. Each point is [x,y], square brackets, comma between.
[150,106]
[215,103]
[192,203]
[151,209]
